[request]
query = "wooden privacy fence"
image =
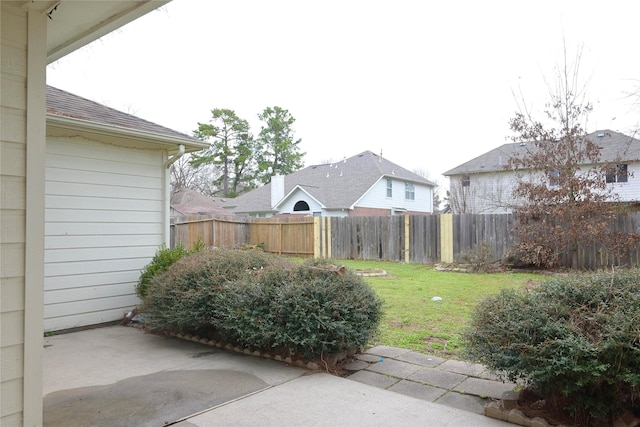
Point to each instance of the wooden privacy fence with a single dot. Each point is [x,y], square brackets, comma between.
[283,235]
[221,232]
[390,238]
[411,238]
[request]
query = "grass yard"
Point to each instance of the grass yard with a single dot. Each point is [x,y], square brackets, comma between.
[413,321]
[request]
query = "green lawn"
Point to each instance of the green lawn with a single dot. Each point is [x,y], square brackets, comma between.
[413,321]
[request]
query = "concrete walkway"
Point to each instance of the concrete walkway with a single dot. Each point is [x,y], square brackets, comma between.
[122,376]
[453,383]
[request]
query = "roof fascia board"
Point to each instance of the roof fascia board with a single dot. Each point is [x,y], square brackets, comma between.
[415,181]
[94,128]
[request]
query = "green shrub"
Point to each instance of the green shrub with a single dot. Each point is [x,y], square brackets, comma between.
[163,258]
[186,297]
[575,339]
[261,301]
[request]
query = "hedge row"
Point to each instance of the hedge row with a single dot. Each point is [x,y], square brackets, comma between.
[261,301]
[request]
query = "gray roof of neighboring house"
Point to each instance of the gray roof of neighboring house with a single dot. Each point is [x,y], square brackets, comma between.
[614,145]
[65,104]
[336,186]
[189,202]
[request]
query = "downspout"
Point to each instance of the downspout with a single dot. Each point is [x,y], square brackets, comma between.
[173,159]
[167,186]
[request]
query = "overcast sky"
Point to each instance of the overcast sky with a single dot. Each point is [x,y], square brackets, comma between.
[430,84]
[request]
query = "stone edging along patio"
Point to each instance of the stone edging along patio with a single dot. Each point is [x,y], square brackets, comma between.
[330,361]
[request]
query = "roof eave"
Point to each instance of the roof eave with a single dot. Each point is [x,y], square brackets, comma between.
[415,181]
[122,133]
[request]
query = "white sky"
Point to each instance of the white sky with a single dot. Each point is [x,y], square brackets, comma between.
[427,83]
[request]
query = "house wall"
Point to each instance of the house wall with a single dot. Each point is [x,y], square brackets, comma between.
[22,111]
[487,193]
[376,197]
[336,213]
[359,211]
[13,105]
[104,221]
[490,193]
[629,191]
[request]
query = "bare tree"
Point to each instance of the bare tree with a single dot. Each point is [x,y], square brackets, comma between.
[565,202]
[183,175]
[461,194]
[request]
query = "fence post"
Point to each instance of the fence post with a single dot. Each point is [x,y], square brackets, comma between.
[407,234]
[446,238]
[328,224]
[316,237]
[323,233]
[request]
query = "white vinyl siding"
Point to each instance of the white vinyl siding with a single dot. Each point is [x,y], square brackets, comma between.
[13,138]
[104,221]
[629,191]
[376,197]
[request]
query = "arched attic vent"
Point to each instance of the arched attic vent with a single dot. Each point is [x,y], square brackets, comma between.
[301,206]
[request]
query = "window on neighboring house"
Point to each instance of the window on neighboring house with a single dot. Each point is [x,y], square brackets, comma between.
[553,178]
[409,191]
[618,173]
[466,180]
[301,206]
[389,187]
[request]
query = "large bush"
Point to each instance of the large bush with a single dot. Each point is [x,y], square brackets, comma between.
[163,259]
[573,339]
[261,301]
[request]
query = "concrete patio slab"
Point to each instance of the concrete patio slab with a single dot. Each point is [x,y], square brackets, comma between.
[374,379]
[438,378]
[122,376]
[484,388]
[417,390]
[384,351]
[394,368]
[326,400]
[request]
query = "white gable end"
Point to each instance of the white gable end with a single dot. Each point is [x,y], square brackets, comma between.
[288,205]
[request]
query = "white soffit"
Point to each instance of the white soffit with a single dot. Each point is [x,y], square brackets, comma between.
[73,24]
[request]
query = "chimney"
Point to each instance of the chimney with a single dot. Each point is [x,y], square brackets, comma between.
[277,188]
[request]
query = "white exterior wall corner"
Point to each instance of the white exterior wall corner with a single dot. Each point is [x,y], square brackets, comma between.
[22,142]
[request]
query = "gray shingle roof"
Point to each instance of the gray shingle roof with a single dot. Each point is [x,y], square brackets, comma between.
[338,185]
[189,202]
[614,145]
[65,104]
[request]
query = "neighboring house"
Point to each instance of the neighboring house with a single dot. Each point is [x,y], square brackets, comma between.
[485,185]
[32,35]
[188,202]
[365,184]
[107,207]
